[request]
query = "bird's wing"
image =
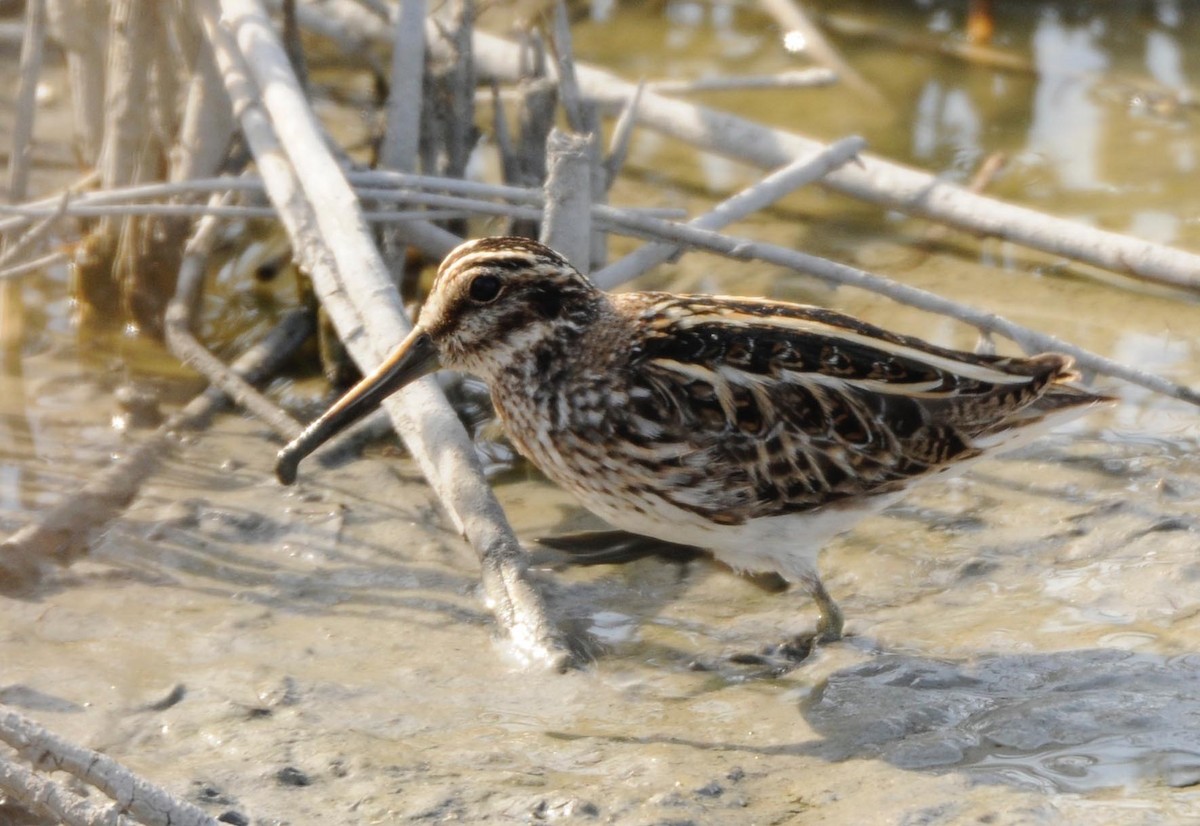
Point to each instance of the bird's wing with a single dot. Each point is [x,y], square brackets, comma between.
[788,407]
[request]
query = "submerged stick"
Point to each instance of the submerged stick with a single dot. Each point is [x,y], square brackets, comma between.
[187,348]
[60,534]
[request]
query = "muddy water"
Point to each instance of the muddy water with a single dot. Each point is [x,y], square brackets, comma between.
[1025,641]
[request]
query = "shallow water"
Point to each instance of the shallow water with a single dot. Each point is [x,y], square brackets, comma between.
[1025,640]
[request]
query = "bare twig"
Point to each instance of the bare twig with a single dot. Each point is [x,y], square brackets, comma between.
[147,803]
[401,146]
[584,119]
[811,78]
[621,137]
[80,26]
[30,70]
[875,180]
[567,226]
[8,274]
[188,349]
[45,798]
[30,239]
[12,311]
[770,189]
[984,175]
[208,123]
[793,79]
[401,140]
[322,215]
[579,119]
[1032,341]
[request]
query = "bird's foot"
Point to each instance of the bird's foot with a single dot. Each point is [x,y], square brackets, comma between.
[769,663]
[777,660]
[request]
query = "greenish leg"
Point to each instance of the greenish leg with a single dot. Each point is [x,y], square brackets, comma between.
[829,620]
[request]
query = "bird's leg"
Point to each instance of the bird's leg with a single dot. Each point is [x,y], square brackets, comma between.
[779,659]
[829,616]
[829,623]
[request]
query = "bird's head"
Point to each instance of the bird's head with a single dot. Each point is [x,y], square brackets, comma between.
[496,298]
[492,302]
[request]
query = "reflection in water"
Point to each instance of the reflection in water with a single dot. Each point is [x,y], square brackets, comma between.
[1068,721]
[1066,124]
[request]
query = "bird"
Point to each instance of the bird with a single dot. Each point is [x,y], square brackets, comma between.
[755,429]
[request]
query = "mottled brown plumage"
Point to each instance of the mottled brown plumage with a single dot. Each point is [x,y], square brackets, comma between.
[753,428]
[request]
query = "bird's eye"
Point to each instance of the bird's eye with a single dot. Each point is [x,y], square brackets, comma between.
[484,288]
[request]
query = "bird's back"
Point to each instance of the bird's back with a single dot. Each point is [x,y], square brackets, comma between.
[748,408]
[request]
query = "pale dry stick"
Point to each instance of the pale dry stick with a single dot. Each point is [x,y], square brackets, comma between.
[793,79]
[810,78]
[49,800]
[569,94]
[618,147]
[59,534]
[12,309]
[600,214]
[516,194]
[467,208]
[80,26]
[463,207]
[875,180]
[33,236]
[770,189]
[130,53]
[167,72]
[188,349]
[984,175]
[792,19]
[567,226]
[208,124]
[584,119]
[329,236]
[32,47]
[142,800]
[1032,341]
[401,146]
[120,201]
[8,274]
[403,133]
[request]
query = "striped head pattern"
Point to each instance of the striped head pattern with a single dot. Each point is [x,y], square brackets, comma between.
[498,297]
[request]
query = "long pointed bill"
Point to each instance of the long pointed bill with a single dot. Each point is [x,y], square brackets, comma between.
[414,357]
